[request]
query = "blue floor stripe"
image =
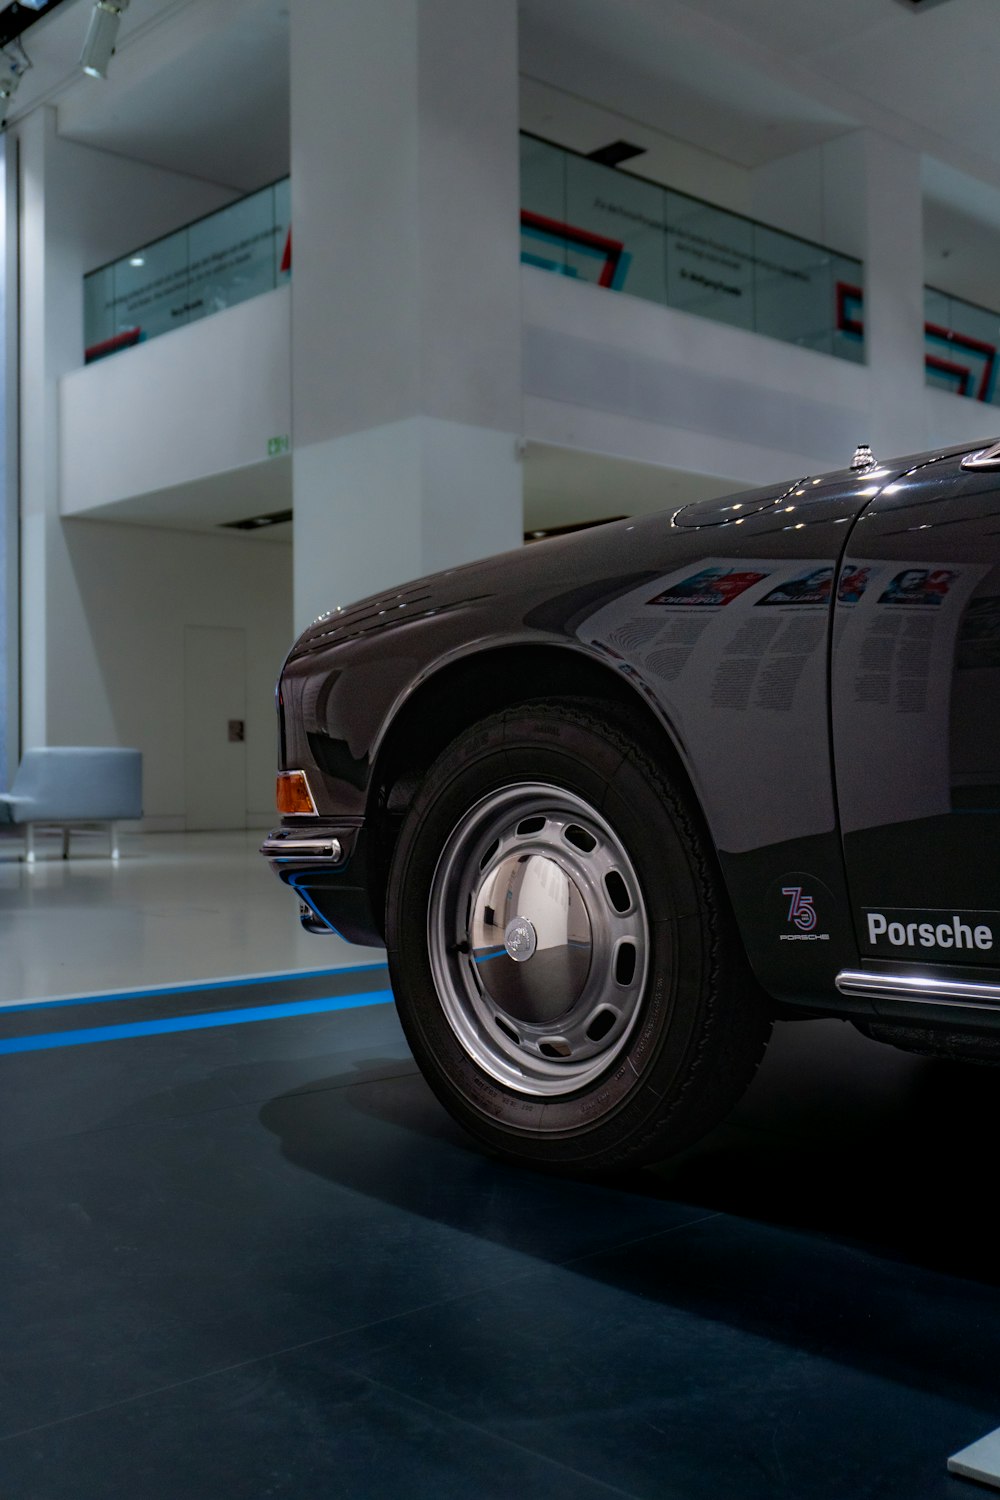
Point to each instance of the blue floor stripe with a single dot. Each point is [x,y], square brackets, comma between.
[195,987]
[201,1022]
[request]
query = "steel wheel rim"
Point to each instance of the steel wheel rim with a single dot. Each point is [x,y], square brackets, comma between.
[538,939]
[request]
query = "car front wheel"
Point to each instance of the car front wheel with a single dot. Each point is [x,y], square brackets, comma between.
[561,951]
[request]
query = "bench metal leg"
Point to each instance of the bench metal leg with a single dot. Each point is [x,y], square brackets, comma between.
[113,833]
[29,843]
[65,842]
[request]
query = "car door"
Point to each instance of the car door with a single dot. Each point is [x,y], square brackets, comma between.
[916,726]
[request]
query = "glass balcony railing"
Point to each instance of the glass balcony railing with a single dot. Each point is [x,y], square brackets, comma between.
[578,217]
[220,260]
[961,343]
[598,224]
[582,219]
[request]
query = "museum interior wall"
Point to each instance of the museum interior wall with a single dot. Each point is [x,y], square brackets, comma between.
[413,377]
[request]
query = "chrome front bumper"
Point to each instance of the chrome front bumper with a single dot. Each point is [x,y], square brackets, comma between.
[326,865]
[325,846]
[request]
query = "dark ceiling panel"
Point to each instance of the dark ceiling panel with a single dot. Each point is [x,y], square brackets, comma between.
[613,154]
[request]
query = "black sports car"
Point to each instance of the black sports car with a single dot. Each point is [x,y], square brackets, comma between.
[616,801]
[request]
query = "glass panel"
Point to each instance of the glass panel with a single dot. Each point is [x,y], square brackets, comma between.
[937,307]
[793,292]
[151,288]
[848,311]
[615,229]
[581,219]
[961,343]
[709,262]
[98,308]
[232,255]
[543,206]
[609,227]
[940,369]
[237,253]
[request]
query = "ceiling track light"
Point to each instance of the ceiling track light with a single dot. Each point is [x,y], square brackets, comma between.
[102,33]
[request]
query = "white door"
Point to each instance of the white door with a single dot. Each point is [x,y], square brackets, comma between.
[215,770]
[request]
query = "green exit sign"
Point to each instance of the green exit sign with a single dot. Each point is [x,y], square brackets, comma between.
[278,445]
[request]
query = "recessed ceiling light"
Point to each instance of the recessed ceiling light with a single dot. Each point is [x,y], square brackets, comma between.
[615,152]
[254,523]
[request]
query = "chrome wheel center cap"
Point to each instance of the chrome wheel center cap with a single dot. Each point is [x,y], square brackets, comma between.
[519,939]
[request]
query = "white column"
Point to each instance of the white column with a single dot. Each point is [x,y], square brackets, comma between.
[9,531]
[51,344]
[894,294]
[406,329]
[38,418]
[862,195]
[816,193]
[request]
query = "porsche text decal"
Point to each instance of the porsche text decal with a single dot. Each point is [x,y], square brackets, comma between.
[957,933]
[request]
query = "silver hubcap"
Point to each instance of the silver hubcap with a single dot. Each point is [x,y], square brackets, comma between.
[538,939]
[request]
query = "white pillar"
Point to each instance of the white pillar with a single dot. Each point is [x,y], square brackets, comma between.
[38,416]
[894,294]
[10,731]
[816,193]
[862,194]
[406,330]
[51,344]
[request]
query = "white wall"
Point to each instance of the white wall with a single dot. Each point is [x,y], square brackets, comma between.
[405,295]
[962,253]
[88,207]
[610,374]
[613,374]
[104,605]
[816,193]
[200,400]
[119,599]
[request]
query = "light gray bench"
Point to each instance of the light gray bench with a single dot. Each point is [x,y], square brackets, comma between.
[74,786]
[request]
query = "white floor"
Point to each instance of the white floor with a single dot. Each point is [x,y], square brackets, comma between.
[176,908]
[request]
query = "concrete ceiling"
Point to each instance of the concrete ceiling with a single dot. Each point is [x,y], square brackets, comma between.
[201,86]
[212,502]
[646,62]
[196,86]
[562,487]
[779,75]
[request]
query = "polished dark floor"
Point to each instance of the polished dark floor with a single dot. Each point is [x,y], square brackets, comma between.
[257,1260]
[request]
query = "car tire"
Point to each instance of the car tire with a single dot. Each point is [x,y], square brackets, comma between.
[563,956]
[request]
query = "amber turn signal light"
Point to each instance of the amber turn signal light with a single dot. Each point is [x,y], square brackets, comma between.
[294,795]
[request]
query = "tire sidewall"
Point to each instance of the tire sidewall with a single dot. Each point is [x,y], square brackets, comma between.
[566,750]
